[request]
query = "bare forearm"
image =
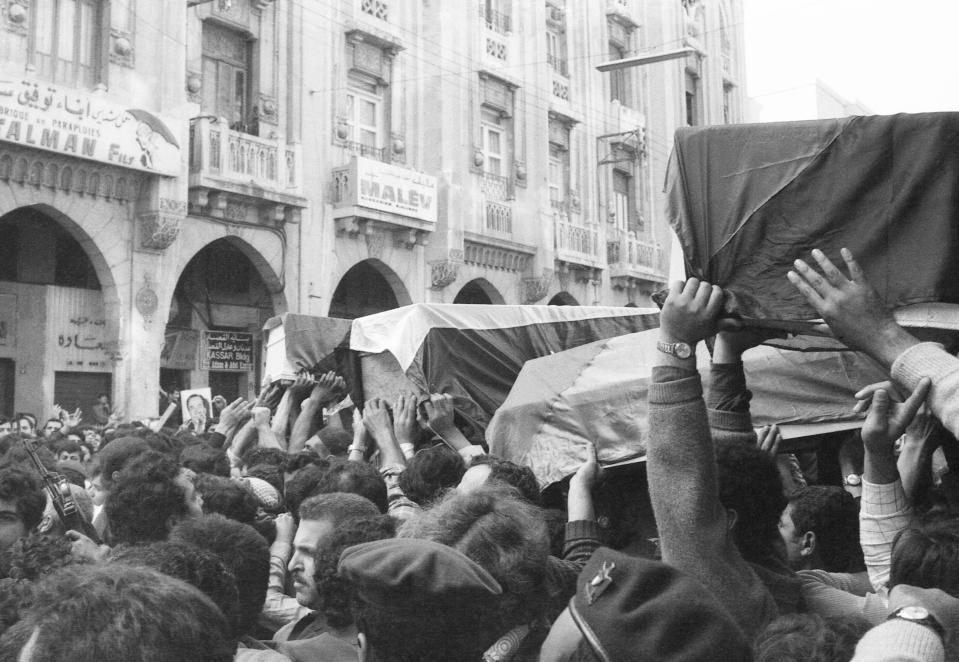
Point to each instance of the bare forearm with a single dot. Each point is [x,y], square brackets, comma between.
[305,425]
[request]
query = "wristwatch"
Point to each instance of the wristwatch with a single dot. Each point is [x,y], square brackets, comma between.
[853,480]
[920,616]
[680,350]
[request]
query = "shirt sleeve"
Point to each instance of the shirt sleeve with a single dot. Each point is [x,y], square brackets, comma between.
[884,512]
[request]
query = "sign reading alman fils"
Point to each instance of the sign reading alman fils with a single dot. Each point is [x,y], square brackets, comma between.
[68,122]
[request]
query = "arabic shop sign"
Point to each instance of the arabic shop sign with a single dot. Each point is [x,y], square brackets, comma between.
[77,330]
[389,188]
[64,121]
[226,350]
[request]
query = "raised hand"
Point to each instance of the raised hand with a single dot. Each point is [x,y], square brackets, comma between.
[261,416]
[439,412]
[236,413]
[887,419]
[691,311]
[590,471]
[405,426]
[376,420]
[326,387]
[301,386]
[851,307]
[768,440]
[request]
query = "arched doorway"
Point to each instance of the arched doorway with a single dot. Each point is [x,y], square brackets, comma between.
[368,287]
[563,299]
[54,324]
[219,306]
[478,291]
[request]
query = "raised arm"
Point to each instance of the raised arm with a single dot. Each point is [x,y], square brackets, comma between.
[855,314]
[884,509]
[681,465]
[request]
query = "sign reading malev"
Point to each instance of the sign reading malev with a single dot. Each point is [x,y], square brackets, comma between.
[68,122]
[390,188]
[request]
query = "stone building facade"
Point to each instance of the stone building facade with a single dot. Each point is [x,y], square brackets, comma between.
[172,174]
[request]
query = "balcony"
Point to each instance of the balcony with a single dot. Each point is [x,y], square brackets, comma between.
[558,64]
[497,187]
[622,12]
[368,193]
[495,21]
[575,244]
[241,177]
[631,259]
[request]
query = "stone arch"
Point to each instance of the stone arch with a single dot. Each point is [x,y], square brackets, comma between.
[356,294]
[563,299]
[481,291]
[101,266]
[274,281]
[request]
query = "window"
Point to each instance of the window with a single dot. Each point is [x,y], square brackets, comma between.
[497,14]
[617,78]
[364,117]
[65,41]
[493,142]
[693,117]
[226,76]
[559,175]
[556,189]
[624,201]
[556,52]
[620,80]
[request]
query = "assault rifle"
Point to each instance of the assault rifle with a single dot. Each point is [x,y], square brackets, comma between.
[58,487]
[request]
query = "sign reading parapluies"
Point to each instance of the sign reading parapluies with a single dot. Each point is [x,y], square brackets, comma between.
[73,123]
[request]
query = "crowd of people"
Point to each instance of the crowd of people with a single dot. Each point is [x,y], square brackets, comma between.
[276,530]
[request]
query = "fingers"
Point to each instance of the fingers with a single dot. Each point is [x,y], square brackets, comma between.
[867,391]
[915,400]
[808,281]
[877,416]
[830,271]
[855,271]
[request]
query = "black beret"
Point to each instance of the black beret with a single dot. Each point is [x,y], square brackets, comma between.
[402,575]
[631,608]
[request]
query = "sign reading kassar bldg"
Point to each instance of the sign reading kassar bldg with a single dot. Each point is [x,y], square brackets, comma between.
[226,350]
[390,188]
[68,122]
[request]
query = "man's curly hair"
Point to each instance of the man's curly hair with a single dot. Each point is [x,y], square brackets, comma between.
[25,490]
[196,566]
[35,555]
[336,593]
[515,475]
[144,497]
[430,472]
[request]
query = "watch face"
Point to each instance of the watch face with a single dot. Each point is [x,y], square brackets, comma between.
[853,480]
[682,350]
[914,613]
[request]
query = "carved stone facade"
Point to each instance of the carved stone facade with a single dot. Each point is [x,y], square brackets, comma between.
[443,273]
[536,289]
[66,175]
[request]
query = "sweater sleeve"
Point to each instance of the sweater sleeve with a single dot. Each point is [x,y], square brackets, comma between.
[684,491]
[899,641]
[727,403]
[931,360]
